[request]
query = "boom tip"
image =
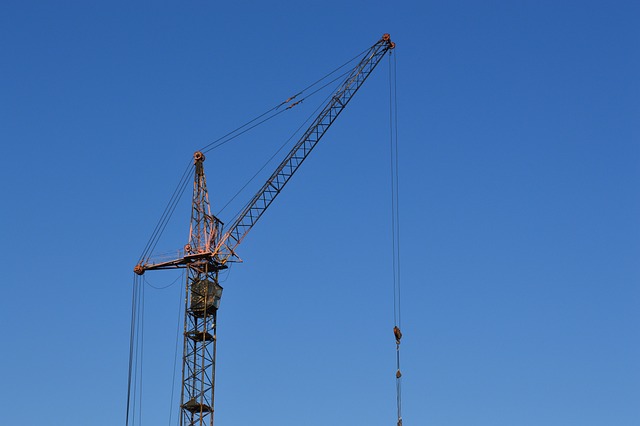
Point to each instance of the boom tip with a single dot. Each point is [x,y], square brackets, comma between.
[387,37]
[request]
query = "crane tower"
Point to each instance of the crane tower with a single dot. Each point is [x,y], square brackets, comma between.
[209,248]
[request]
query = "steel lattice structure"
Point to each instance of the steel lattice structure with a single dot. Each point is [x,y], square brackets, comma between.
[201,307]
[272,187]
[198,361]
[208,249]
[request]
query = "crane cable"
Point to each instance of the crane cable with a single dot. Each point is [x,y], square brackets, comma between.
[166,214]
[242,130]
[395,225]
[134,380]
[309,118]
[246,126]
[184,180]
[136,348]
[131,346]
[175,354]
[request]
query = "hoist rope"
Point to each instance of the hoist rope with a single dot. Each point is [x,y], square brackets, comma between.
[136,348]
[131,345]
[395,119]
[134,381]
[395,224]
[140,350]
[175,354]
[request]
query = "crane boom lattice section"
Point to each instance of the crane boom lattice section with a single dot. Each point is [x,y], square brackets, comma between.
[272,187]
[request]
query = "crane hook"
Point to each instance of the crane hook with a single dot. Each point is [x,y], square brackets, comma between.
[398,334]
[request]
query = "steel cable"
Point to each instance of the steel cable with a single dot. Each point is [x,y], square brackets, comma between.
[134,298]
[228,137]
[134,381]
[271,158]
[221,141]
[175,354]
[160,288]
[166,215]
[395,225]
[395,119]
[141,351]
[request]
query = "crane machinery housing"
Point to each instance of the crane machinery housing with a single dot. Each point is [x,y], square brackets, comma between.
[211,247]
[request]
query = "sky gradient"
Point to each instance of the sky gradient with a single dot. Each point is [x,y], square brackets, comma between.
[519,142]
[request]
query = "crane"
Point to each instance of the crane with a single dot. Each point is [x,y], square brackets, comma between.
[210,247]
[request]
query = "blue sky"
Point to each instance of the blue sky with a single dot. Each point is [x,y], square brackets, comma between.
[519,182]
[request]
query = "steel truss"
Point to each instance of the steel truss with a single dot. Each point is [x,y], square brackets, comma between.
[199,357]
[208,250]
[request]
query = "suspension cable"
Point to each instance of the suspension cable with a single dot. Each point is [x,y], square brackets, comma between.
[395,224]
[313,114]
[249,124]
[166,214]
[335,70]
[236,133]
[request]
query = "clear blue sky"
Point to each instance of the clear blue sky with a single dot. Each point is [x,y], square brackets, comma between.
[520,181]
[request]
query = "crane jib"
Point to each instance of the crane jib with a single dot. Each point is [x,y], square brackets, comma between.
[224,250]
[220,248]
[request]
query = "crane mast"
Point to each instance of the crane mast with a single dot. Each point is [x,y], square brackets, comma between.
[209,249]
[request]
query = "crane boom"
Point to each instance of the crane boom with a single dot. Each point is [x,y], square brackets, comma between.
[221,249]
[301,150]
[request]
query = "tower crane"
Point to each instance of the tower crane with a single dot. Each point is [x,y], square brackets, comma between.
[210,247]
